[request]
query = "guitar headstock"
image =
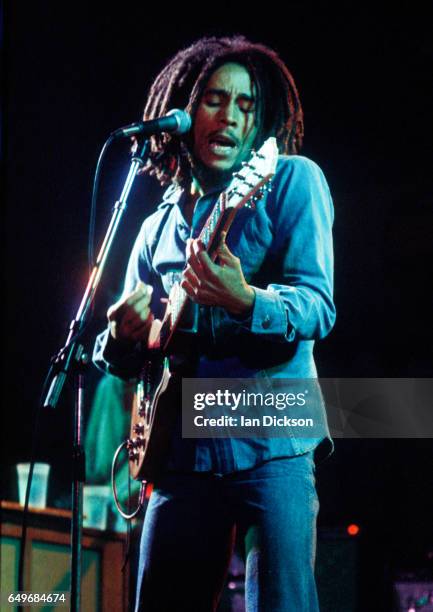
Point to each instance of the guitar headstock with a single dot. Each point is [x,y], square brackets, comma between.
[249,184]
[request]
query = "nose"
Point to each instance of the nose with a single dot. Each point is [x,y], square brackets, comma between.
[229,113]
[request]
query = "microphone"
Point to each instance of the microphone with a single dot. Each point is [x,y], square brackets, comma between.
[176,121]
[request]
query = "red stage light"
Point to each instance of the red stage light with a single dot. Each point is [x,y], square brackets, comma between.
[353,529]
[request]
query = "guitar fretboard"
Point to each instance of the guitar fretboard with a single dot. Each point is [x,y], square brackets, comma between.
[208,230]
[178,300]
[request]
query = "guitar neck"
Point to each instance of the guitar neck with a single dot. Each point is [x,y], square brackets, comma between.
[218,221]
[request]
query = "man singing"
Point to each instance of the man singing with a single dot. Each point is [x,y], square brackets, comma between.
[262,304]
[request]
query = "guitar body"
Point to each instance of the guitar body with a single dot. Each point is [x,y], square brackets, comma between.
[154,410]
[155,405]
[157,402]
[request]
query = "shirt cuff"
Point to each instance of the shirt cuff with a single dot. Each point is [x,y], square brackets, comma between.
[269,316]
[116,357]
[244,320]
[116,350]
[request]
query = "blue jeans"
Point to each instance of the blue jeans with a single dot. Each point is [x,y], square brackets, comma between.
[190,526]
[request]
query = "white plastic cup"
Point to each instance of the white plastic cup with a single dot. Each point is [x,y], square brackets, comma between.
[39,487]
[95,506]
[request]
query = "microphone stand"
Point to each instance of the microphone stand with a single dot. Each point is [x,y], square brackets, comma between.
[72,360]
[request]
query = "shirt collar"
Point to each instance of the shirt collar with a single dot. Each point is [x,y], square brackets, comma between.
[175,194]
[172,195]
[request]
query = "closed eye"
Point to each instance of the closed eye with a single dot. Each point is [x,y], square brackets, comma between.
[216,98]
[246,104]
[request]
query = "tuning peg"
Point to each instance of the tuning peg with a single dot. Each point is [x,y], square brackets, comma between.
[139,429]
[140,443]
[133,455]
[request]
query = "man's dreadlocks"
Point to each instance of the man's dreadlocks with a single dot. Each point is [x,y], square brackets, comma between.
[180,85]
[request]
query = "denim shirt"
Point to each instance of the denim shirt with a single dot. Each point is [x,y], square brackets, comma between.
[285,249]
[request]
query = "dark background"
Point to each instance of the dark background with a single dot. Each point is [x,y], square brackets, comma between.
[74,72]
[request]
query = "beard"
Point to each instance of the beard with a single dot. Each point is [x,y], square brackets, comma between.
[211,179]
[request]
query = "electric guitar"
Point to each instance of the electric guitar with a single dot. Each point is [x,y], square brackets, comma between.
[156,401]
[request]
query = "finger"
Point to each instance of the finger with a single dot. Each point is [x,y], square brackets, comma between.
[193,260]
[188,247]
[223,248]
[112,313]
[130,314]
[198,294]
[141,291]
[211,270]
[206,261]
[189,289]
[129,331]
[208,269]
[226,257]
[135,317]
[201,284]
[141,304]
[190,276]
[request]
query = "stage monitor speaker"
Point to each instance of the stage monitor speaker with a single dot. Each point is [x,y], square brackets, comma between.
[412,593]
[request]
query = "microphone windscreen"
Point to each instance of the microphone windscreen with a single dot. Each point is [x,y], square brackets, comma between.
[183,120]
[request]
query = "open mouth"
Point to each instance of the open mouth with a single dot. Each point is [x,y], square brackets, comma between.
[221,144]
